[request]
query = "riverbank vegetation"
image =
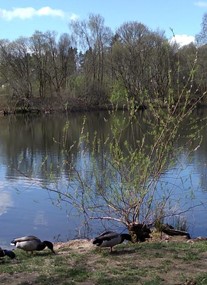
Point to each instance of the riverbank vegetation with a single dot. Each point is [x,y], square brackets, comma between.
[78,262]
[92,67]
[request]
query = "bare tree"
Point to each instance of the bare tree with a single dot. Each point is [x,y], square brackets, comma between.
[141,61]
[94,39]
[40,55]
[201,38]
[16,67]
[61,61]
[67,60]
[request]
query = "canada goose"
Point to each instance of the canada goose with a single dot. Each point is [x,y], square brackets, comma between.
[31,243]
[110,239]
[5,252]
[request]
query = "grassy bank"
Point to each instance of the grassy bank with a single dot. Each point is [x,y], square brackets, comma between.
[79,262]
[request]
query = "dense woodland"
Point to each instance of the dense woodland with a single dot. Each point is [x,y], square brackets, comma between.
[91,66]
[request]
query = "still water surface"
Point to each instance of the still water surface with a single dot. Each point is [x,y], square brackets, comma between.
[27,209]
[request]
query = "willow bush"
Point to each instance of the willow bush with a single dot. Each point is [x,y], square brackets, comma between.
[123,181]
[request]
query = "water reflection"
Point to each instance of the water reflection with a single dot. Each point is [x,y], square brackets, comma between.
[5,202]
[31,157]
[40,219]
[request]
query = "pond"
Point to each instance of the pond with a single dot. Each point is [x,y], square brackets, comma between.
[30,156]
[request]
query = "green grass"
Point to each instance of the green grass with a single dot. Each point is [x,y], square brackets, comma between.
[145,264]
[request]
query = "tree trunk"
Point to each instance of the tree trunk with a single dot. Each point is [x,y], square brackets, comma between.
[139,232]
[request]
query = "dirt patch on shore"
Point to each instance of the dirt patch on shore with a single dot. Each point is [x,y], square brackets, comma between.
[79,245]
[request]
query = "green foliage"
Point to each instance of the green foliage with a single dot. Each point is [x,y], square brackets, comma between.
[77,85]
[129,184]
[118,94]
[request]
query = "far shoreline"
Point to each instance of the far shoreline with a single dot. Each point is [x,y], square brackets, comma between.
[53,105]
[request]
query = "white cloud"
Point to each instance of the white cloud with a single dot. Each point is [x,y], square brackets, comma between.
[47,11]
[30,12]
[201,4]
[74,17]
[182,40]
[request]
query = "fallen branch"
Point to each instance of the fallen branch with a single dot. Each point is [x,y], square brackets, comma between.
[169,230]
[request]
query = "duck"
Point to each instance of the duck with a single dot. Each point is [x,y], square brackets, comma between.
[110,239]
[31,243]
[5,252]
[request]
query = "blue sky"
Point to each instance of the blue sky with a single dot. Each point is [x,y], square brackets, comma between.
[23,17]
